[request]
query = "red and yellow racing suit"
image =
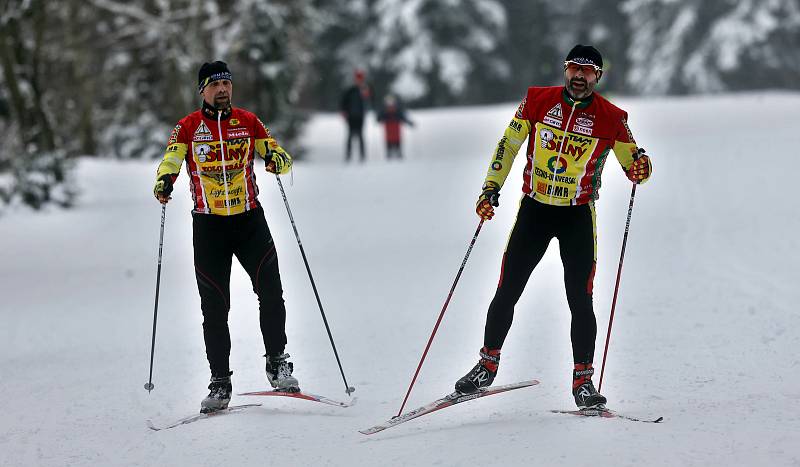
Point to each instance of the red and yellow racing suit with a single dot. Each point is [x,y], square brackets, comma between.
[568,142]
[219,152]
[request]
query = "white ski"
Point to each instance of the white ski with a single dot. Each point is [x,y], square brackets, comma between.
[200,416]
[302,395]
[444,402]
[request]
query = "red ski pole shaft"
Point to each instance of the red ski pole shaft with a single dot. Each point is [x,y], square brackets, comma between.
[441,315]
[616,286]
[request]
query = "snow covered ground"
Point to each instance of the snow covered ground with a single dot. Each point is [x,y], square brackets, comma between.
[705,334]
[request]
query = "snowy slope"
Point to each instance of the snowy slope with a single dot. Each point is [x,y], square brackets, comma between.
[705,332]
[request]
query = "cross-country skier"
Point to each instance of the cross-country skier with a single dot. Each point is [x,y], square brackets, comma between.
[570,131]
[218,143]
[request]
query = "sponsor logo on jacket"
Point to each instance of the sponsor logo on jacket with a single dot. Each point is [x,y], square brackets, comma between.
[582,130]
[546,135]
[269,134]
[553,177]
[552,190]
[521,109]
[575,146]
[556,112]
[202,133]
[202,151]
[219,192]
[173,137]
[552,121]
[237,150]
[627,128]
[238,133]
[224,203]
[584,124]
[501,149]
[554,116]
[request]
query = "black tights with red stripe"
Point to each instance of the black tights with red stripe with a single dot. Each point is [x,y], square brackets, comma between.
[537,223]
[216,240]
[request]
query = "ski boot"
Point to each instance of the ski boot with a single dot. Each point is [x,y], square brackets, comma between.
[482,374]
[219,395]
[586,396]
[279,373]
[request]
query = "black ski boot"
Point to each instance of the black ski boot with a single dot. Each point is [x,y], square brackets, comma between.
[482,375]
[220,394]
[279,373]
[586,396]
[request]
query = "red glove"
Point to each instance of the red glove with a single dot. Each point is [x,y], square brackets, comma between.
[641,169]
[488,200]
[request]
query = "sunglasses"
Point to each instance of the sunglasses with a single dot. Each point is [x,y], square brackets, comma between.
[586,69]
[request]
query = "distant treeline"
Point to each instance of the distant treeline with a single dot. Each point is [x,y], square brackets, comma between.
[110,77]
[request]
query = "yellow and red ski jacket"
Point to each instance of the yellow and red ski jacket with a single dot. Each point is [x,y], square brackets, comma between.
[220,169]
[568,142]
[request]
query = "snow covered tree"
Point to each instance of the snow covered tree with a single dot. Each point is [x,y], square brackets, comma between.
[534,59]
[712,46]
[33,156]
[111,77]
[158,47]
[425,51]
[272,58]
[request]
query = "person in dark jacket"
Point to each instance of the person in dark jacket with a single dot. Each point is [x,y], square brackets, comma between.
[354,107]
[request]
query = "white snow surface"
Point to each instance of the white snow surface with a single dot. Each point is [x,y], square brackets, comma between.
[705,332]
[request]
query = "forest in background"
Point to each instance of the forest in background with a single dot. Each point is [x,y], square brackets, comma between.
[110,78]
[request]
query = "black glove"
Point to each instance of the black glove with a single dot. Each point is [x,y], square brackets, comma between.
[279,162]
[164,185]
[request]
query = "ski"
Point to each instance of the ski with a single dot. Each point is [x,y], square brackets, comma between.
[444,402]
[200,416]
[603,412]
[301,395]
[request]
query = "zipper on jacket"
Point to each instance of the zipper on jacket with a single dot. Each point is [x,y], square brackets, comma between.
[222,153]
[561,148]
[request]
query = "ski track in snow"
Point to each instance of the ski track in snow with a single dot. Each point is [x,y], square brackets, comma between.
[705,332]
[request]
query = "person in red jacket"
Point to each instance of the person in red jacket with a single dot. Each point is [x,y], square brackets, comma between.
[570,130]
[218,143]
[393,117]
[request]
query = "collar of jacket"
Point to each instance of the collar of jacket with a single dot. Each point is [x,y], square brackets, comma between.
[582,104]
[210,112]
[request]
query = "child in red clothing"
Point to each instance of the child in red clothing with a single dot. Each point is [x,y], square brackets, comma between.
[392,116]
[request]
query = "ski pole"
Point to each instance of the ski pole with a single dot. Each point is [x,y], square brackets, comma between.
[348,389]
[619,274]
[149,385]
[441,315]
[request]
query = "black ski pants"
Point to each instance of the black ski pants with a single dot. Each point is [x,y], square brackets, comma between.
[355,129]
[537,223]
[216,240]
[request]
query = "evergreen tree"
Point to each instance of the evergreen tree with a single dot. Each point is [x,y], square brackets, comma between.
[426,51]
[33,156]
[712,46]
[272,63]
